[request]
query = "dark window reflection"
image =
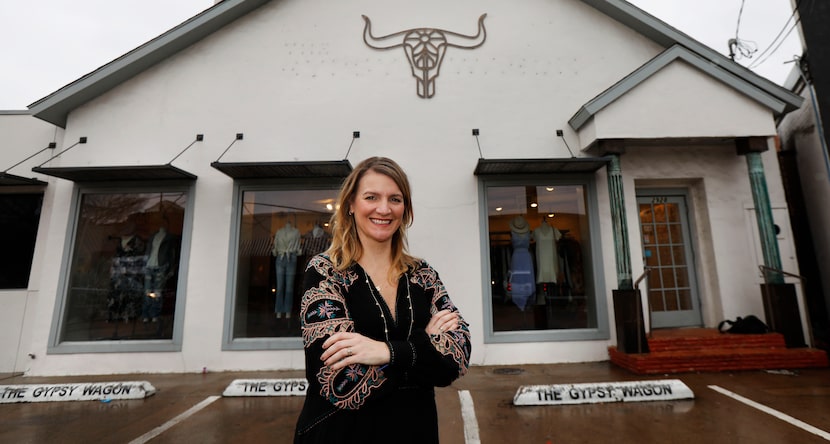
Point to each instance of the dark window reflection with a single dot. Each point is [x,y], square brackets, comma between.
[19,217]
[124,268]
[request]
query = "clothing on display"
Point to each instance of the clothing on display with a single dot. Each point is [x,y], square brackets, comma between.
[315,241]
[522,279]
[126,278]
[369,403]
[286,249]
[162,253]
[547,256]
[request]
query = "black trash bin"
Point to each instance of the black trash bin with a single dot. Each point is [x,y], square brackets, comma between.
[631,333]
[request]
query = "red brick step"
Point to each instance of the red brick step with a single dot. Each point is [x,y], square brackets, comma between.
[708,350]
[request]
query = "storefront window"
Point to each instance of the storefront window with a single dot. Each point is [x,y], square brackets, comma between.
[279,232]
[19,217]
[540,257]
[123,277]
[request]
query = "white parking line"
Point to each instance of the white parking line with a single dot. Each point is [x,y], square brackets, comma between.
[784,417]
[162,428]
[468,414]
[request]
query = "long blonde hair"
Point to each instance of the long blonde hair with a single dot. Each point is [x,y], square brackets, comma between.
[346,248]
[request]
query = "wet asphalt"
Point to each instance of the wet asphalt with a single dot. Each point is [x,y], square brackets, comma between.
[729,407]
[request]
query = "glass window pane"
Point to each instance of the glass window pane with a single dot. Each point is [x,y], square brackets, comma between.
[19,217]
[279,232]
[124,269]
[539,242]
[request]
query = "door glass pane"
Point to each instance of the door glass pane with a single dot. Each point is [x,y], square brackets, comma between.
[665,252]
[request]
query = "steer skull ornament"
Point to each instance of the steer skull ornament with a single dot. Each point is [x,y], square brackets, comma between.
[425,49]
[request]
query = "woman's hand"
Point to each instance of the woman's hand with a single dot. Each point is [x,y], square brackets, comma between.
[442,321]
[342,349]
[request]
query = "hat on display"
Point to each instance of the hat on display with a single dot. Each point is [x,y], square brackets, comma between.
[519,225]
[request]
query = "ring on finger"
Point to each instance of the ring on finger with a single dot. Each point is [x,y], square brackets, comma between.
[349,351]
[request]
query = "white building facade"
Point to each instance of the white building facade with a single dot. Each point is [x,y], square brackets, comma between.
[619,141]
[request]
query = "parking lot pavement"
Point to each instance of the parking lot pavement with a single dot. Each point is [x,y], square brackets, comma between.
[767,407]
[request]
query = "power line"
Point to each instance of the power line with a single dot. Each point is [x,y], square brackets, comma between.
[777,45]
[737,46]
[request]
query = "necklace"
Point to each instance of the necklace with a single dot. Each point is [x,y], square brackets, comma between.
[380,309]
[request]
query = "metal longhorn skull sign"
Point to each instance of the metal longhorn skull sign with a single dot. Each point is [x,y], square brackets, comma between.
[425,49]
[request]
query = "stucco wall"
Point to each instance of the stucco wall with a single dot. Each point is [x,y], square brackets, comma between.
[22,136]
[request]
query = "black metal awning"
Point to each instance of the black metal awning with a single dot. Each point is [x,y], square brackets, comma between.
[117,173]
[290,170]
[573,165]
[10,180]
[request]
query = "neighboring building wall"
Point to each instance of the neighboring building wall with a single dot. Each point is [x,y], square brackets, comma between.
[799,132]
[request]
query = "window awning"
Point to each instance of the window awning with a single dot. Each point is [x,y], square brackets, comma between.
[117,173]
[487,167]
[10,180]
[290,170]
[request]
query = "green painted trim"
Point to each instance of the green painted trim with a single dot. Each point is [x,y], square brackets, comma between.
[763,214]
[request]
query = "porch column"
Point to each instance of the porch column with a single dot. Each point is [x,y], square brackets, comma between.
[622,251]
[751,148]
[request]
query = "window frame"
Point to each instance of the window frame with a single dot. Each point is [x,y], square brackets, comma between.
[229,342]
[588,181]
[56,344]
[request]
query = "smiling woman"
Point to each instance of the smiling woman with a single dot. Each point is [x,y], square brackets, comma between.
[379,329]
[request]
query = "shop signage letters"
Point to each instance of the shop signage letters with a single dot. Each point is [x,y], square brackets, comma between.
[591,393]
[84,391]
[267,387]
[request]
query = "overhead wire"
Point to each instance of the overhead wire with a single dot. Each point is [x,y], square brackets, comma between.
[766,53]
[738,46]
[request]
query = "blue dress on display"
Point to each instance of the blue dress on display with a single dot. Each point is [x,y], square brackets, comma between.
[522,279]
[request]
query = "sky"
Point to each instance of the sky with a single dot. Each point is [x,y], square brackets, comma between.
[47,44]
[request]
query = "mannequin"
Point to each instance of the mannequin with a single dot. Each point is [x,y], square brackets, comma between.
[126,276]
[315,241]
[522,281]
[161,257]
[286,248]
[547,258]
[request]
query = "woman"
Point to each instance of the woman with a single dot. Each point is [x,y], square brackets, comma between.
[379,329]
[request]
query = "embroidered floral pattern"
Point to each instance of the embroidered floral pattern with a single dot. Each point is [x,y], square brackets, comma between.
[323,307]
[324,313]
[454,344]
[348,388]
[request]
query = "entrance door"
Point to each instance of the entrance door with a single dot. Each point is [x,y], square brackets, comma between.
[667,249]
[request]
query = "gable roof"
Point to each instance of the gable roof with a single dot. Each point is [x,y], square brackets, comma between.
[667,36]
[55,107]
[659,62]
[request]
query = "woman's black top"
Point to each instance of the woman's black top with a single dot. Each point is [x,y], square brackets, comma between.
[368,403]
